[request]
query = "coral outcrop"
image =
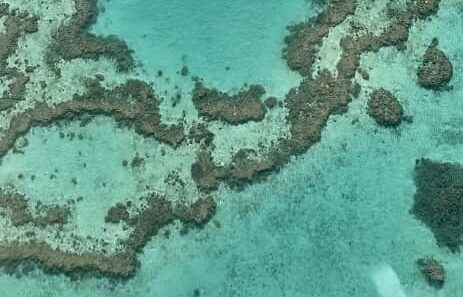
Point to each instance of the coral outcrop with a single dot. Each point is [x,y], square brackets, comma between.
[237,109]
[16,25]
[433,272]
[436,69]
[146,223]
[384,108]
[439,201]
[73,40]
[20,214]
[132,103]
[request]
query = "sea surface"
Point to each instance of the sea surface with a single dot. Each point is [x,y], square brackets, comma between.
[334,222]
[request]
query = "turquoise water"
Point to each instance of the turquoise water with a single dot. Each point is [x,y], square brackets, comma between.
[209,38]
[334,222]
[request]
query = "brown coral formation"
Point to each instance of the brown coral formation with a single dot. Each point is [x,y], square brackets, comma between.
[117,213]
[439,201]
[200,134]
[310,106]
[73,39]
[426,8]
[198,213]
[16,24]
[18,208]
[243,169]
[206,173]
[53,215]
[119,265]
[160,212]
[146,223]
[132,103]
[271,102]
[384,108]
[20,214]
[436,70]
[433,272]
[305,38]
[237,109]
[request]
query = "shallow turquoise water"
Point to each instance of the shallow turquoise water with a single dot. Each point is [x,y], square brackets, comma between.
[208,37]
[334,222]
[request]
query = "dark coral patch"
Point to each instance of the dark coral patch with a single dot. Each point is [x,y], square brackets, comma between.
[384,107]
[439,201]
[146,223]
[16,25]
[236,109]
[425,8]
[303,42]
[73,40]
[20,214]
[433,272]
[159,213]
[132,103]
[317,97]
[117,213]
[436,69]
[243,170]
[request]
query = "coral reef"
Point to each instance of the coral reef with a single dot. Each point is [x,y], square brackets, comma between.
[271,102]
[384,107]
[19,212]
[117,213]
[237,109]
[145,223]
[243,169]
[309,106]
[303,42]
[16,24]
[318,96]
[121,265]
[436,70]
[160,212]
[200,134]
[439,201]
[426,8]
[433,271]
[142,113]
[73,40]
[206,173]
